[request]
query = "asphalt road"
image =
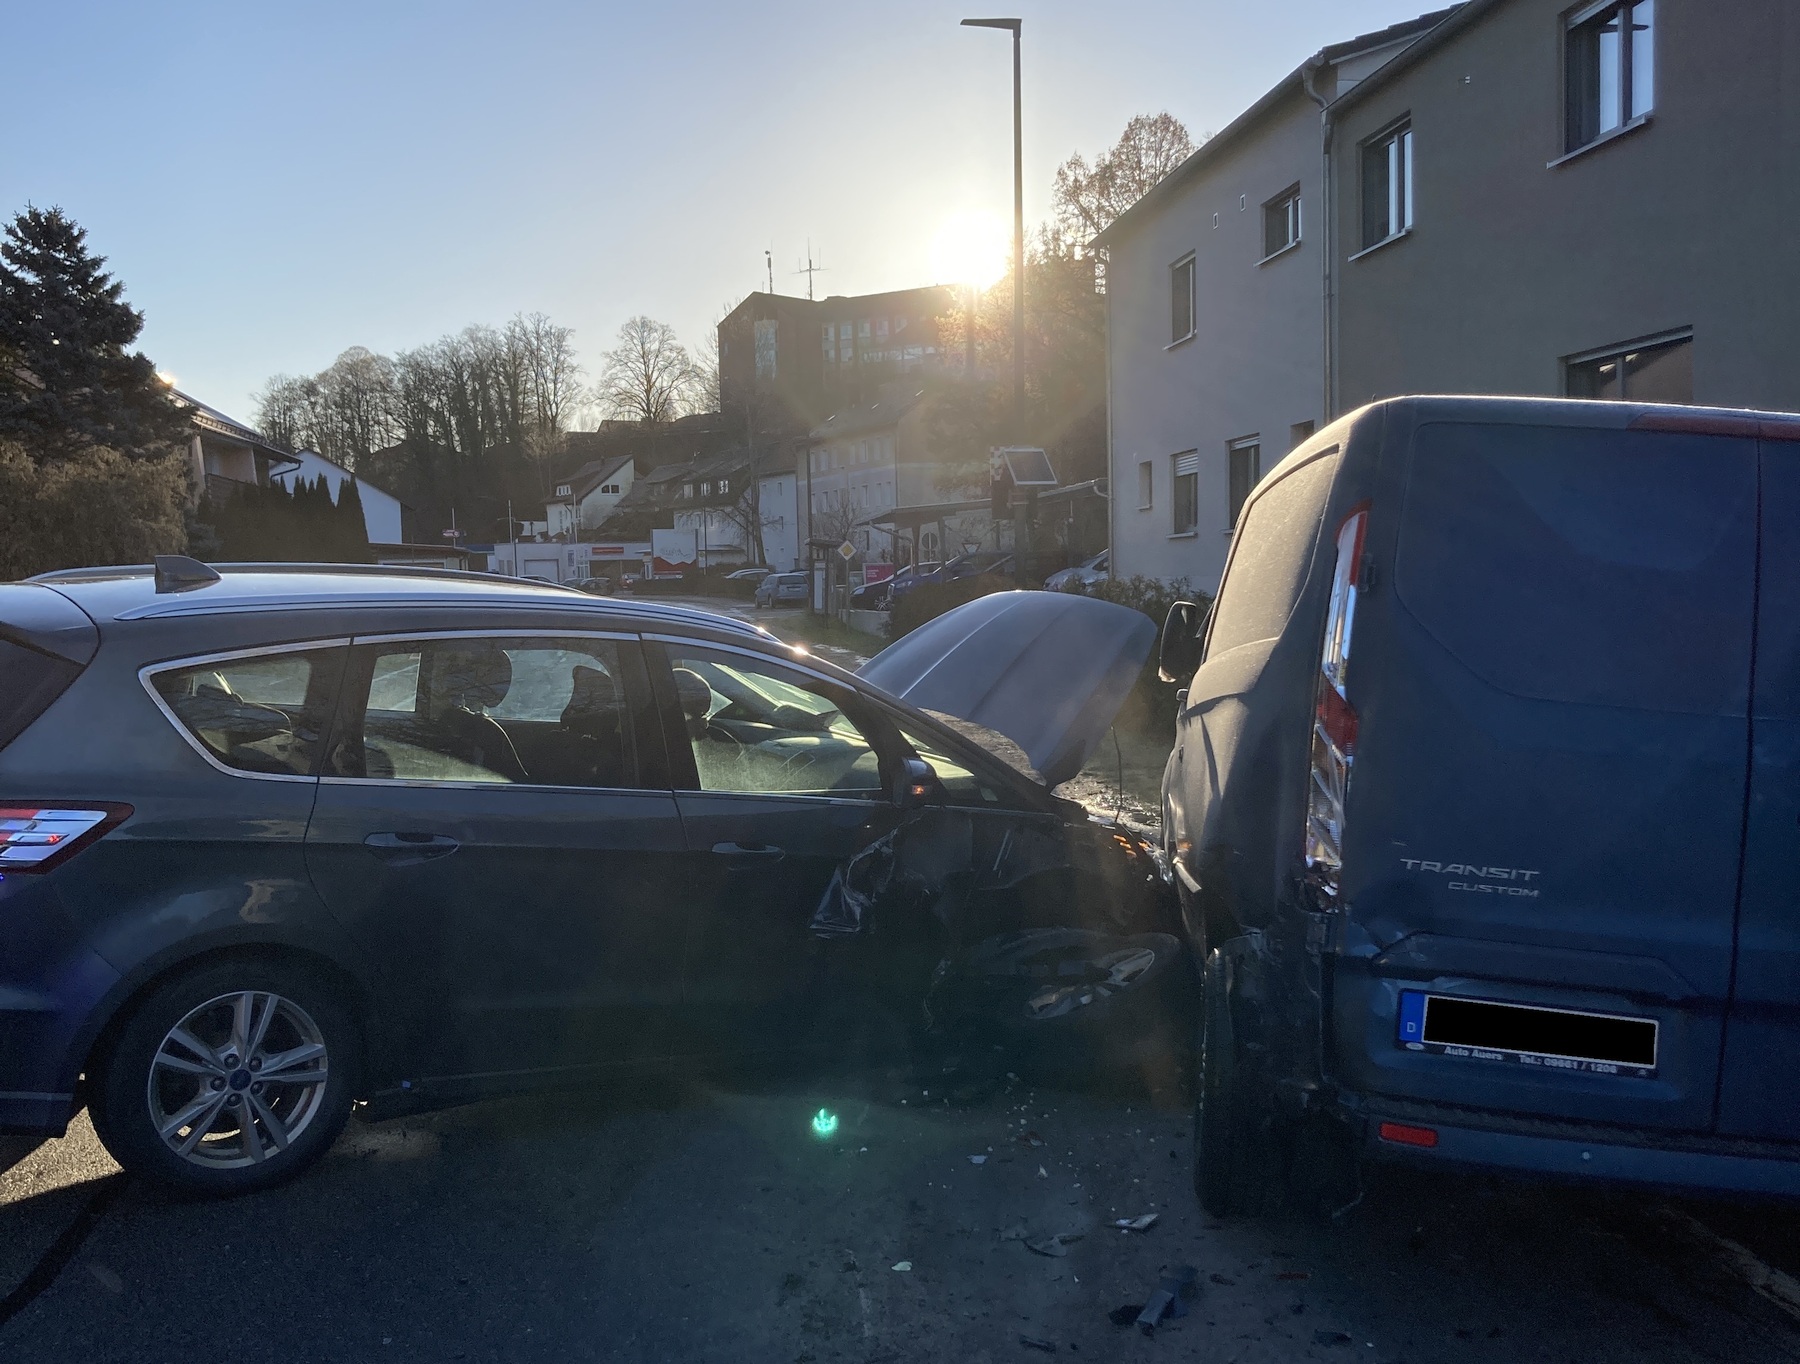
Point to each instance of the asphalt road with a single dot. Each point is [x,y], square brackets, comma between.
[696,1221]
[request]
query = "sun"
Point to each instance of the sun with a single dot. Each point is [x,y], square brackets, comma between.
[969,247]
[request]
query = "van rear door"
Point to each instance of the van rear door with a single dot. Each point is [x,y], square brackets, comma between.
[1762,1032]
[1547,806]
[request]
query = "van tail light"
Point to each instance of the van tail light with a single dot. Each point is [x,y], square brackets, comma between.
[36,837]
[1405,1134]
[1334,722]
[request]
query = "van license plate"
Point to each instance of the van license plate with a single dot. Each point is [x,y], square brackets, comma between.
[1552,1039]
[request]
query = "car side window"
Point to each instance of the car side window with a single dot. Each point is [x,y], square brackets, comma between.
[540,712]
[261,714]
[756,727]
[961,785]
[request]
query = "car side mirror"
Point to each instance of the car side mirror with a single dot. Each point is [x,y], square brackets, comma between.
[1182,633]
[918,784]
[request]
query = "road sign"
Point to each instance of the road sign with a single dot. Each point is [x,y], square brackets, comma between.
[848,550]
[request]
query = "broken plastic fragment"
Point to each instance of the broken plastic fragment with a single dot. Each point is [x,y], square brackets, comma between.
[978,1160]
[1143,1223]
[825,1123]
[903,1267]
[1033,1343]
[1056,1245]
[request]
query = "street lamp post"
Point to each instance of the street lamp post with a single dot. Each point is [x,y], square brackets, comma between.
[1014,26]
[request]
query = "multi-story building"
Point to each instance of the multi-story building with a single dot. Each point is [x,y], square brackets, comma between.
[785,364]
[1518,196]
[1595,202]
[1214,319]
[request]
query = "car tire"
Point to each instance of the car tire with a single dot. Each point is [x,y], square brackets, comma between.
[1228,1173]
[197,1046]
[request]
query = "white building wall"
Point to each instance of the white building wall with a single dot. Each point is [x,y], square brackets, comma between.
[778,497]
[381,510]
[1254,365]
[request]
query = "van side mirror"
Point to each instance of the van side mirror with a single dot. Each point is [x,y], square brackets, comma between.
[918,784]
[1181,641]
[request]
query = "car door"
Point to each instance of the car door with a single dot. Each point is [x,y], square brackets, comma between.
[496,825]
[1762,1038]
[781,776]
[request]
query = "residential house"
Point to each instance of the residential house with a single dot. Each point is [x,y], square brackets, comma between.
[224,452]
[711,497]
[872,478]
[584,499]
[1593,201]
[785,363]
[1215,319]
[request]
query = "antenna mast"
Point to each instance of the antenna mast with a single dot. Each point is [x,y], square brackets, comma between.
[809,270]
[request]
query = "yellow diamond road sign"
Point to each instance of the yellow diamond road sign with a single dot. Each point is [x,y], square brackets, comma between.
[848,550]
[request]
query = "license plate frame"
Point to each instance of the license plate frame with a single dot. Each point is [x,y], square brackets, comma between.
[1513,1033]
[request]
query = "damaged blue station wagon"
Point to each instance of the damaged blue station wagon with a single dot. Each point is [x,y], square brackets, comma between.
[1484,798]
[275,839]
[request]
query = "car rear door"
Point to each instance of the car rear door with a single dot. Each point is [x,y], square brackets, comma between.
[496,825]
[1762,1038]
[1552,672]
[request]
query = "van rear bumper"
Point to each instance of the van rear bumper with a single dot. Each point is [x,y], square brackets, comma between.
[1621,1157]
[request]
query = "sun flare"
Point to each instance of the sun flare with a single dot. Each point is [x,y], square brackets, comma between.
[969,247]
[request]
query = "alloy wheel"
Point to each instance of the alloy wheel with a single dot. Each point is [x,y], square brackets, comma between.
[237,1080]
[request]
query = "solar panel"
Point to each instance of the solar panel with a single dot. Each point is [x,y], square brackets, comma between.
[1029,467]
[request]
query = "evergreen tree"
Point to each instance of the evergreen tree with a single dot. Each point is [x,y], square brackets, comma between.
[68,381]
[352,525]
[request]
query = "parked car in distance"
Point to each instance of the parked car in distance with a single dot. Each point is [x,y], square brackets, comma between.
[872,595]
[275,839]
[748,575]
[1082,576]
[1471,832]
[594,587]
[962,566]
[781,589]
[902,580]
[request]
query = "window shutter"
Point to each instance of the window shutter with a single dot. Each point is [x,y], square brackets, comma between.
[1188,463]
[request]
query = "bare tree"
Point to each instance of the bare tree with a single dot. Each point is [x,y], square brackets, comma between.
[553,374]
[649,376]
[1088,197]
[706,373]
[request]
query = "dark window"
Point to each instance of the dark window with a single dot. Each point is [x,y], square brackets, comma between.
[1270,555]
[1609,568]
[756,727]
[29,682]
[1181,299]
[263,714]
[1661,372]
[1609,68]
[1146,484]
[1299,433]
[1186,493]
[1243,470]
[1281,221]
[542,712]
[1387,184]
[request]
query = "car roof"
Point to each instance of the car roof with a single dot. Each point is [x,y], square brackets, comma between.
[129,593]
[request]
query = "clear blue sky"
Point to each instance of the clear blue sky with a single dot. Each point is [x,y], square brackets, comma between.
[275,183]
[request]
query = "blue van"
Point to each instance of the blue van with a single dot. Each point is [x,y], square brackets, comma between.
[1484,798]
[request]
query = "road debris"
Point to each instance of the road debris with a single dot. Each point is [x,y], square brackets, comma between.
[1331,1337]
[1043,1173]
[1034,1343]
[978,1160]
[1029,1139]
[1221,1279]
[1056,1244]
[903,1267]
[1176,1284]
[1143,1223]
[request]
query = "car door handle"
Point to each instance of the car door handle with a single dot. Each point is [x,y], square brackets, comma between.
[745,852]
[406,848]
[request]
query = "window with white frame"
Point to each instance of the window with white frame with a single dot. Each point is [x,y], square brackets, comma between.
[1387,184]
[1181,299]
[1281,222]
[1146,484]
[1609,75]
[1185,489]
[1243,469]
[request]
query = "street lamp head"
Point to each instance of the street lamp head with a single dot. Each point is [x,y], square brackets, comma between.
[1012,25]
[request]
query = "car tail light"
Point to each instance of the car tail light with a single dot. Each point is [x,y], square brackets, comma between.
[1334,722]
[1405,1134]
[36,837]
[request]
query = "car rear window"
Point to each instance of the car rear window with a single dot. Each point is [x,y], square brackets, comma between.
[29,682]
[1611,568]
[1275,544]
[263,714]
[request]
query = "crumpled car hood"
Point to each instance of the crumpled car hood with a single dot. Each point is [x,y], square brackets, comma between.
[1049,670]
